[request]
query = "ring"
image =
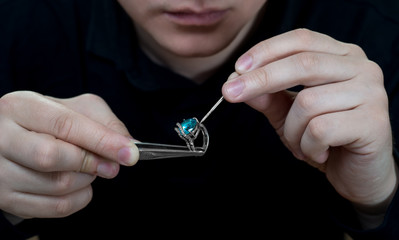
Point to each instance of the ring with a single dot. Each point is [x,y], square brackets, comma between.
[189,129]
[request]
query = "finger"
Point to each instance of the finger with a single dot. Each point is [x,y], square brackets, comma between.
[308,69]
[274,106]
[290,43]
[44,206]
[233,75]
[316,101]
[38,151]
[333,130]
[44,153]
[95,165]
[46,116]
[53,184]
[94,107]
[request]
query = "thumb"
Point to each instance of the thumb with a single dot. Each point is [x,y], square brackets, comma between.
[275,106]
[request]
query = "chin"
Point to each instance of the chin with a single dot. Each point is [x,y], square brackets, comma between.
[195,53]
[196,48]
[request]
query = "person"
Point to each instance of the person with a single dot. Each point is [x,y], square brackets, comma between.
[302,148]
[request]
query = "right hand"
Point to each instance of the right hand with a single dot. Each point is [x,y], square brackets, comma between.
[51,150]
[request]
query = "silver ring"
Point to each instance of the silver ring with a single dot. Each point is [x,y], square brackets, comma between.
[189,130]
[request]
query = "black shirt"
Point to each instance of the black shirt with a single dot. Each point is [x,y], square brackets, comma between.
[248,184]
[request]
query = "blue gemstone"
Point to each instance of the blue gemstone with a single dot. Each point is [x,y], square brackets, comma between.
[189,125]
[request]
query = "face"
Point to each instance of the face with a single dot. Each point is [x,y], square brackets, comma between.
[190,28]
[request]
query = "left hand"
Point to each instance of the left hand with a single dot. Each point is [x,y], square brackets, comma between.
[339,121]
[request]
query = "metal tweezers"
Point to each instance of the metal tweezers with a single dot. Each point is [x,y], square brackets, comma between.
[152,151]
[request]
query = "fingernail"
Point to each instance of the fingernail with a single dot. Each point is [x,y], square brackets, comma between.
[128,156]
[107,169]
[234,88]
[244,64]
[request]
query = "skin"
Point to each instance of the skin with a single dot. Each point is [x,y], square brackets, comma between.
[339,122]
[193,50]
[52,150]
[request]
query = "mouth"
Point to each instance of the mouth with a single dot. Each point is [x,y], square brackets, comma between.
[196,18]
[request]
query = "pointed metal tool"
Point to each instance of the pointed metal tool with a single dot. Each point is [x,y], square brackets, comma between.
[212,109]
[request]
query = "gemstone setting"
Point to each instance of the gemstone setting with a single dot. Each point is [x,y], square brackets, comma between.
[189,125]
[189,130]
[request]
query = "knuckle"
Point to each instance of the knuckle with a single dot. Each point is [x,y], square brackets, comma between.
[101,143]
[259,79]
[5,104]
[308,62]
[11,100]
[89,97]
[380,98]
[69,204]
[375,71]
[46,156]
[264,47]
[62,125]
[373,83]
[117,125]
[355,49]
[306,100]
[304,36]
[63,182]
[318,129]
[63,207]
[384,126]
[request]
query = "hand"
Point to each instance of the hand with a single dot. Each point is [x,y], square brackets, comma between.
[339,120]
[51,150]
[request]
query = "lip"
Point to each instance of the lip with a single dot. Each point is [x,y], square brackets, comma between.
[196,18]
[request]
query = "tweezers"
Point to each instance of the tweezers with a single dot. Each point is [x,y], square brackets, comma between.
[152,151]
